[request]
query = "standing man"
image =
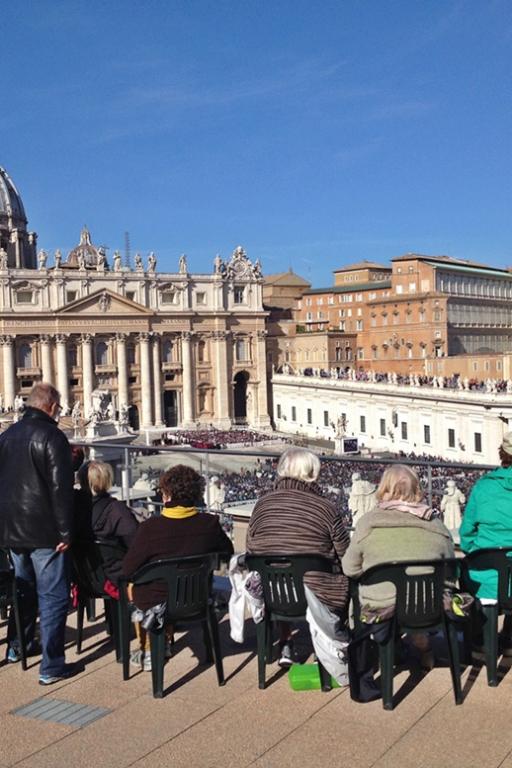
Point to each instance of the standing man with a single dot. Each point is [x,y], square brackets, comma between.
[36,502]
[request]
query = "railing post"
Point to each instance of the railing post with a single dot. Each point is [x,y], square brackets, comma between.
[207,482]
[429,484]
[126,475]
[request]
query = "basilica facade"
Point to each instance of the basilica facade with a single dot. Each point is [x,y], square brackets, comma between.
[171,349]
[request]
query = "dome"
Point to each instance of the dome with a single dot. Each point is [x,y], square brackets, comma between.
[11,206]
[85,252]
[19,244]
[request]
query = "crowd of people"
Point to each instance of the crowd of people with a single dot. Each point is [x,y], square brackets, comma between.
[335,480]
[302,507]
[455,381]
[217,438]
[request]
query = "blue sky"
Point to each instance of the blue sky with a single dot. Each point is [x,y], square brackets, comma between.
[314,134]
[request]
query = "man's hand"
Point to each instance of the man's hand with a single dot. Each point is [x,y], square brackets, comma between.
[61,546]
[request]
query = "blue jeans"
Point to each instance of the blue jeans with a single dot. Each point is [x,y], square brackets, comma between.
[42,575]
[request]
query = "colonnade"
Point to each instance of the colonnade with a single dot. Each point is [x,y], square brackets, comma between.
[51,363]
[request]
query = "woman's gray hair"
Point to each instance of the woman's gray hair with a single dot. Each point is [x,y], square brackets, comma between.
[299,464]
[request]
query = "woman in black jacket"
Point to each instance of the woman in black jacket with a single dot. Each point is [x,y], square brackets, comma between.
[111,520]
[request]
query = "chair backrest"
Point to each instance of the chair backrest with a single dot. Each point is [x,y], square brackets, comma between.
[282,579]
[187,580]
[89,563]
[493,559]
[419,588]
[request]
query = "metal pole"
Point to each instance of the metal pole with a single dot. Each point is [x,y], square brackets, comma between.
[429,484]
[207,482]
[126,475]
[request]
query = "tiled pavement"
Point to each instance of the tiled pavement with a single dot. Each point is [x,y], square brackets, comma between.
[200,725]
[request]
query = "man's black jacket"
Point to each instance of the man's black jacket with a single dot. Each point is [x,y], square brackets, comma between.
[36,483]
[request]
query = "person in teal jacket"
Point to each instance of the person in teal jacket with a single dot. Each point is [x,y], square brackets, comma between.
[487,522]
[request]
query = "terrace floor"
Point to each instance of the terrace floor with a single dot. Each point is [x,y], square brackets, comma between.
[198,724]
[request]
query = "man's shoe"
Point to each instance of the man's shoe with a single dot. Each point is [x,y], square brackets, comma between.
[146,663]
[285,655]
[70,670]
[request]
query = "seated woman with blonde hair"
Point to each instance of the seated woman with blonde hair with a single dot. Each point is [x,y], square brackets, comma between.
[401,527]
[108,518]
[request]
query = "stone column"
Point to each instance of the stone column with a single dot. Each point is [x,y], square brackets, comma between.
[45,342]
[87,373]
[62,371]
[122,371]
[157,381]
[145,381]
[222,404]
[260,405]
[188,387]
[7,343]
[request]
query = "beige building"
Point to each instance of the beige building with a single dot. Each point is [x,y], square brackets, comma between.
[174,349]
[432,315]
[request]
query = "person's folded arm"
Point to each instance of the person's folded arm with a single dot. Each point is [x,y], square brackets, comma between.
[352,560]
[60,484]
[340,537]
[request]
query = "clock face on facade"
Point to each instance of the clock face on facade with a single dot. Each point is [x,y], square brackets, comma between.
[239,268]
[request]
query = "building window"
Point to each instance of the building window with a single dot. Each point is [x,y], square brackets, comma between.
[202,400]
[168,297]
[451,438]
[167,351]
[25,356]
[201,298]
[359,325]
[238,294]
[403,428]
[294,413]
[437,316]
[278,410]
[360,353]
[130,295]
[310,416]
[412,287]
[326,418]
[101,353]
[201,352]
[478,442]
[72,357]
[130,354]
[70,296]
[362,423]
[24,297]
[383,427]
[426,434]
[241,350]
